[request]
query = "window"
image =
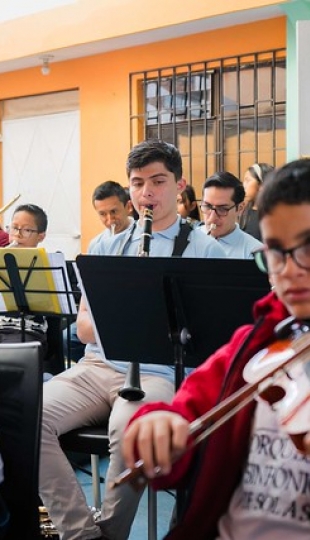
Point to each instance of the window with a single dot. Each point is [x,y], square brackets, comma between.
[222,114]
[175,99]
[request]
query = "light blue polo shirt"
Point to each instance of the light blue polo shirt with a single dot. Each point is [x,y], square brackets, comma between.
[237,244]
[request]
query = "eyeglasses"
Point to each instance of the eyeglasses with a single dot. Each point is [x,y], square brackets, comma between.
[273,260]
[221,211]
[24,232]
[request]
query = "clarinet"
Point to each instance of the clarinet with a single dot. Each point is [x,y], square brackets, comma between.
[132,390]
[144,248]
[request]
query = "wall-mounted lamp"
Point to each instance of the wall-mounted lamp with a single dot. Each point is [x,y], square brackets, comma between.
[45,69]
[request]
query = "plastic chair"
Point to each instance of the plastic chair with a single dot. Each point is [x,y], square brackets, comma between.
[94,440]
[20,423]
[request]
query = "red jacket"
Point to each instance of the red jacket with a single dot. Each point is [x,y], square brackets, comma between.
[4,238]
[213,475]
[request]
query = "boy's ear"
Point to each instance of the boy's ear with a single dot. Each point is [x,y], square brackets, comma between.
[241,207]
[41,236]
[181,184]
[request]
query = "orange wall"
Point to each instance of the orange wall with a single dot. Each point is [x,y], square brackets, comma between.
[103,81]
[87,21]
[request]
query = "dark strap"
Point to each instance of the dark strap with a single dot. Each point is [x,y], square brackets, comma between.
[181,241]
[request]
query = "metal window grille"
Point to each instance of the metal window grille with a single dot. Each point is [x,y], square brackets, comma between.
[223,114]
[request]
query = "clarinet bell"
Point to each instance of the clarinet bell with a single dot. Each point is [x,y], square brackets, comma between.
[132,390]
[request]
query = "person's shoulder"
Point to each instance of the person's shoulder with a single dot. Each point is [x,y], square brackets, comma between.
[251,240]
[206,245]
[96,241]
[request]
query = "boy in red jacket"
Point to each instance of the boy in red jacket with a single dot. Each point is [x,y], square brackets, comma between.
[246,481]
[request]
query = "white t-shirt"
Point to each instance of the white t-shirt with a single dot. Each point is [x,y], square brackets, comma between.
[272,501]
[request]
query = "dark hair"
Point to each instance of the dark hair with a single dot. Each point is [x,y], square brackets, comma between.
[189,193]
[225,180]
[110,189]
[259,171]
[39,215]
[152,150]
[289,184]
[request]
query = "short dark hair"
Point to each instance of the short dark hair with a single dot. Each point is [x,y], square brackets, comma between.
[147,152]
[39,215]
[110,189]
[289,184]
[225,180]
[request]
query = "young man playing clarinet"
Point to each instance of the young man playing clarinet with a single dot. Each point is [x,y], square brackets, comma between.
[87,394]
[247,480]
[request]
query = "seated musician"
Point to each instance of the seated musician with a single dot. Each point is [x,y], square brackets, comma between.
[247,480]
[89,390]
[27,229]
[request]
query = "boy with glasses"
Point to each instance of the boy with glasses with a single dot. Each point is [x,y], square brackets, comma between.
[27,229]
[222,204]
[248,480]
[28,226]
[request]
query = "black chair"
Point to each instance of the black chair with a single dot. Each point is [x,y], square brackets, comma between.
[94,440]
[20,424]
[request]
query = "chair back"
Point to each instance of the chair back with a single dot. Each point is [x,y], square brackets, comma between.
[20,427]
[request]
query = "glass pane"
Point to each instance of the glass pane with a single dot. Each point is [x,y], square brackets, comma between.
[280,84]
[247,87]
[165,86]
[230,98]
[151,89]
[195,104]
[247,137]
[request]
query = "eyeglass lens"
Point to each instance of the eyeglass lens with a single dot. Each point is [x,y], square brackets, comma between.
[274,260]
[219,210]
[25,233]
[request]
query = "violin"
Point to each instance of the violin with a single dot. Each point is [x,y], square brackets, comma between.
[279,374]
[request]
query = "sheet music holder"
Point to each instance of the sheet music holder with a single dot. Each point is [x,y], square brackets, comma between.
[140,306]
[33,281]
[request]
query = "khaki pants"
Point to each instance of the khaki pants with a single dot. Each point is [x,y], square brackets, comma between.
[83,395]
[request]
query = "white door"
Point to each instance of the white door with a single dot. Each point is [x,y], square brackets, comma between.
[41,161]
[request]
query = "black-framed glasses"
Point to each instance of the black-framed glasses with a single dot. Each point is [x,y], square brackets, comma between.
[221,211]
[23,231]
[273,260]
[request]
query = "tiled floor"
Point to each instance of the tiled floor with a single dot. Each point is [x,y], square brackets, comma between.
[139,531]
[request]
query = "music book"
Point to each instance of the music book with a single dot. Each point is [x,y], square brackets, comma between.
[44,279]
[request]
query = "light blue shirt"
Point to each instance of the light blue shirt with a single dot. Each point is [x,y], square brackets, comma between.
[105,236]
[161,245]
[237,244]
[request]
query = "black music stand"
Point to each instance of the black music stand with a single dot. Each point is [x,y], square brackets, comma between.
[20,290]
[168,310]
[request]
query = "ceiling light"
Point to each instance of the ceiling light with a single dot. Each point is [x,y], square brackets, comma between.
[45,69]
